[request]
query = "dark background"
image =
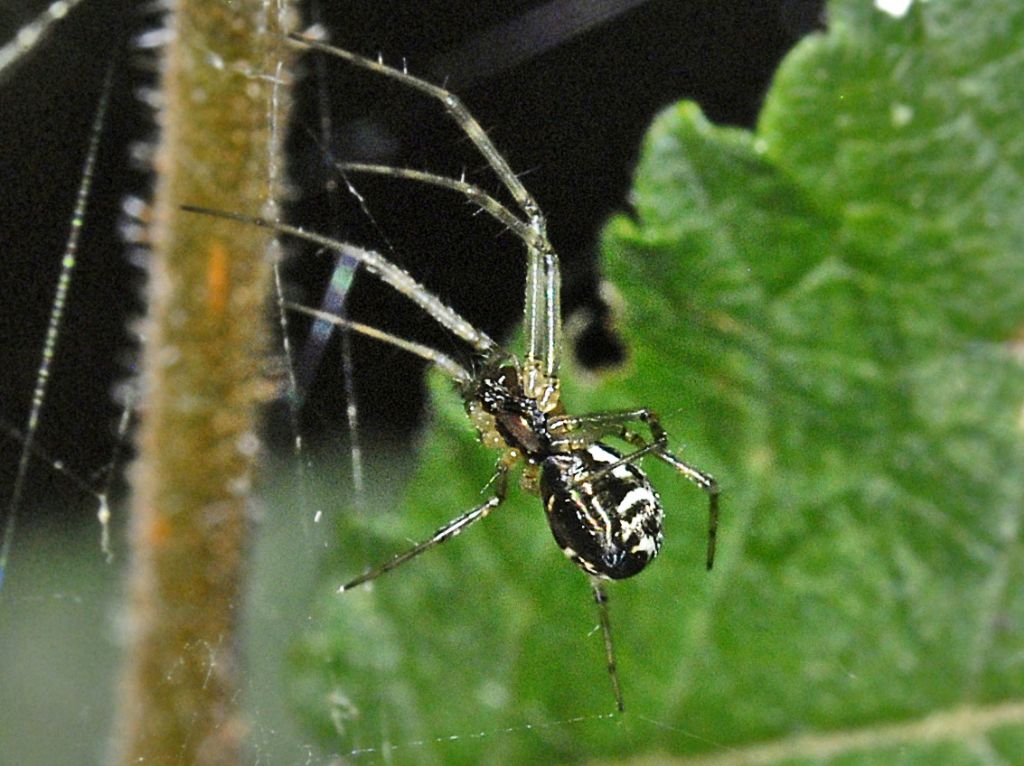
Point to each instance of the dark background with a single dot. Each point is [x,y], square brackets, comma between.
[566,108]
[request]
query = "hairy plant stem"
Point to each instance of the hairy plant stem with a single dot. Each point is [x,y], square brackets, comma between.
[224,86]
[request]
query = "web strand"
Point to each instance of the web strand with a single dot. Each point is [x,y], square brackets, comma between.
[67,270]
[335,300]
[33,33]
[386,749]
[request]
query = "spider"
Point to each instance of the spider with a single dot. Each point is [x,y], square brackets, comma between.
[602,510]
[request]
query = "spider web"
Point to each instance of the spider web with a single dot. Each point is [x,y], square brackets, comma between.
[61,578]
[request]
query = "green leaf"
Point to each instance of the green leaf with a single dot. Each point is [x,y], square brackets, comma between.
[826,314]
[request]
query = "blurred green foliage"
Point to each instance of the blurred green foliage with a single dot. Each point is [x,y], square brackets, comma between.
[827,314]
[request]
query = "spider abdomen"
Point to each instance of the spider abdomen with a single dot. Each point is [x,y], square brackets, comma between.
[608,524]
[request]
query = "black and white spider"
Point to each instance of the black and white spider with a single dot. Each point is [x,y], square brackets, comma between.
[602,509]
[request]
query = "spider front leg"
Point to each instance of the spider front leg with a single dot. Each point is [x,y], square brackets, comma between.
[445,533]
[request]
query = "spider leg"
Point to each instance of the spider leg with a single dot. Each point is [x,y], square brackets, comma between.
[443,534]
[707,483]
[577,431]
[601,599]
[442,361]
[472,192]
[380,267]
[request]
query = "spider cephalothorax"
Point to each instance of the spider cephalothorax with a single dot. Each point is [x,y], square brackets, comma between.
[517,418]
